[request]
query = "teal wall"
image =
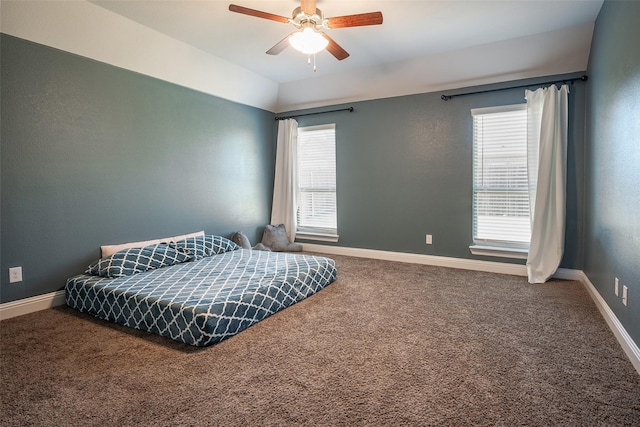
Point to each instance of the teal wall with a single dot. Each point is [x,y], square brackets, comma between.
[404,169]
[612,199]
[93,154]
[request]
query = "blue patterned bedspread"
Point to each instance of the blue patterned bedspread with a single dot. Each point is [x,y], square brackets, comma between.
[203,302]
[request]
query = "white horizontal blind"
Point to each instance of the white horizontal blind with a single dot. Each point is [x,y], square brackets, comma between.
[316,211]
[500,185]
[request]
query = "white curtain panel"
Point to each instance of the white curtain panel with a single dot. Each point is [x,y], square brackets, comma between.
[547,115]
[285,185]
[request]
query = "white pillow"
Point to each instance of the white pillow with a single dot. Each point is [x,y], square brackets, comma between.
[112,249]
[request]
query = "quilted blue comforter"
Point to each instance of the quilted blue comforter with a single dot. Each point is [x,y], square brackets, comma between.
[205,301]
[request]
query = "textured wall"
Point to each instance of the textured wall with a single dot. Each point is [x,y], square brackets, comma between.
[404,169]
[93,154]
[612,230]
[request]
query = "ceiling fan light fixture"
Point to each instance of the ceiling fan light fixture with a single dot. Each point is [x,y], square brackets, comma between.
[308,41]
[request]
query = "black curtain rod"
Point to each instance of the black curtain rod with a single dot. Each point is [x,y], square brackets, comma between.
[350,109]
[583,78]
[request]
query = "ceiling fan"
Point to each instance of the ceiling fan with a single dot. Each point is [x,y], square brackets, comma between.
[309,37]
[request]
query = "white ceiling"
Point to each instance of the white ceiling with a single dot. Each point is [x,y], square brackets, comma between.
[422,45]
[411,29]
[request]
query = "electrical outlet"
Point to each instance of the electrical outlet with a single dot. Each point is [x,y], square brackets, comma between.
[429,239]
[15,274]
[617,286]
[625,295]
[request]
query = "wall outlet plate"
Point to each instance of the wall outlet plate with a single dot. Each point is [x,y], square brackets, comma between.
[617,286]
[625,292]
[15,274]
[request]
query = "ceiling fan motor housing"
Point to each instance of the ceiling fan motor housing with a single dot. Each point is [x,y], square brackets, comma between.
[301,19]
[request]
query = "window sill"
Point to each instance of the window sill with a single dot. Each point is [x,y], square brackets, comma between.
[499,252]
[317,236]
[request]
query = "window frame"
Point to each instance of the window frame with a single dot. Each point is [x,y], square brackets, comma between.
[494,247]
[327,234]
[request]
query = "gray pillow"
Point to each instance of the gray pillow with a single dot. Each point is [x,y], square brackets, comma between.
[275,237]
[241,240]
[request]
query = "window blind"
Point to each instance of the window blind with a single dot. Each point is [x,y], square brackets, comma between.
[316,211]
[500,185]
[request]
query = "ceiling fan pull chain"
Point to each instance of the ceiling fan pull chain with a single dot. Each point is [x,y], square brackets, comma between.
[314,63]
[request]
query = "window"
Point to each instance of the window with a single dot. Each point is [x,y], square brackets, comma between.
[501,221]
[316,211]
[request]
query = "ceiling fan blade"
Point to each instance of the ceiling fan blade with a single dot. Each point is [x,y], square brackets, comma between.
[280,46]
[371,18]
[335,49]
[308,6]
[257,13]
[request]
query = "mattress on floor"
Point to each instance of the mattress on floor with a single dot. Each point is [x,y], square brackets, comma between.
[203,302]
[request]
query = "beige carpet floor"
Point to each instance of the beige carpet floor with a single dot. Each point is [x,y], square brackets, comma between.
[386,344]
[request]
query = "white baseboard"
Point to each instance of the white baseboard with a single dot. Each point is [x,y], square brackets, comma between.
[626,342]
[29,305]
[628,345]
[441,261]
